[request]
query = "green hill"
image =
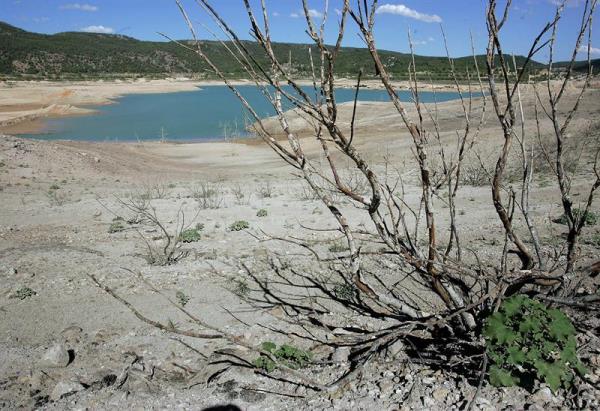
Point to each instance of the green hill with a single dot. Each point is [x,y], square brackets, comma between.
[88,55]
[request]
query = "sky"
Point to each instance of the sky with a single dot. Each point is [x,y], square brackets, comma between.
[143,19]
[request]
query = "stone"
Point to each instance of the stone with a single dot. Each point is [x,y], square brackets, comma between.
[543,396]
[55,356]
[396,349]
[386,387]
[65,388]
[72,335]
[341,354]
[441,394]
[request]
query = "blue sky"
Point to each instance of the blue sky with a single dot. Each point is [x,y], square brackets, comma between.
[142,19]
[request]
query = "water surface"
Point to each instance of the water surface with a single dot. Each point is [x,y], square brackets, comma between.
[209,113]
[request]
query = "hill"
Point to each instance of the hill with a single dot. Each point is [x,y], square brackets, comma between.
[25,54]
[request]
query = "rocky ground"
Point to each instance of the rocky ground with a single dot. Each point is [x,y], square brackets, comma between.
[66,344]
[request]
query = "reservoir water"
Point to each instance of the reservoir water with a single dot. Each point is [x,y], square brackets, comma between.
[209,113]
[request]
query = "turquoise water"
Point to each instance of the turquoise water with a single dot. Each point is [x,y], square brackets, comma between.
[209,113]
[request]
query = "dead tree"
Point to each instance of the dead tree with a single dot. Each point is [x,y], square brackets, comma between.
[456,289]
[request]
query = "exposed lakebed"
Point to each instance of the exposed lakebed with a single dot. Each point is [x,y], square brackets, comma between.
[209,113]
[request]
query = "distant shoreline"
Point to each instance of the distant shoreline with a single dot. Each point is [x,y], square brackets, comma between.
[25,104]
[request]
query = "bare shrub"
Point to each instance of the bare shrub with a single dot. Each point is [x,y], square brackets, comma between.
[240,196]
[265,190]
[208,195]
[407,274]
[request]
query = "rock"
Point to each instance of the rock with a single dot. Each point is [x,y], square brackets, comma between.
[395,350]
[386,387]
[543,396]
[65,388]
[55,356]
[71,335]
[440,394]
[341,354]
[96,159]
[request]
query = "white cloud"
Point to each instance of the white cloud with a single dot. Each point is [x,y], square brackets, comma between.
[275,14]
[78,6]
[423,42]
[593,50]
[98,29]
[315,14]
[402,10]
[40,19]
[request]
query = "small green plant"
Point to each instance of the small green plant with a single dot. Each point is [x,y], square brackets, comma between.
[191,235]
[594,240]
[54,187]
[590,217]
[287,355]
[338,247]
[526,341]
[182,298]
[239,225]
[262,213]
[344,291]
[241,288]
[23,293]
[116,227]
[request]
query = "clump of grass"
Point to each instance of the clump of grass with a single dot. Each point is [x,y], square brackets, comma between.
[338,247]
[241,288]
[116,227]
[265,190]
[344,291]
[182,298]
[23,293]
[239,225]
[287,355]
[54,187]
[208,195]
[262,213]
[191,235]
[590,218]
[594,240]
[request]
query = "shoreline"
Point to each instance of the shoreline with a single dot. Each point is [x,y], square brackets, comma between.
[25,104]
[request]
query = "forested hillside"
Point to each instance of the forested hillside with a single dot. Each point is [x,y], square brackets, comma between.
[88,55]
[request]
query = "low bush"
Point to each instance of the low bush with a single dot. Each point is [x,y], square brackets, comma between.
[589,219]
[116,227]
[191,235]
[262,213]
[239,225]
[526,341]
[23,293]
[288,355]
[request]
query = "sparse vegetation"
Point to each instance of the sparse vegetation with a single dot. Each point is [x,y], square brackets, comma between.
[182,298]
[116,227]
[191,235]
[265,190]
[239,225]
[262,213]
[23,293]
[287,355]
[208,195]
[526,341]
[590,218]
